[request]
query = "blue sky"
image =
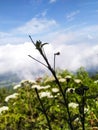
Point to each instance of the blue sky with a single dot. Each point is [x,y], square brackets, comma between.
[70,26]
[16,14]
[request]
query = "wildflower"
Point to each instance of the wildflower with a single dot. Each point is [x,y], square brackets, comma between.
[27,81]
[77,119]
[96,81]
[41,87]
[17,86]
[36,86]
[70,90]
[68,77]
[11,96]
[46,94]
[55,90]
[73,105]
[32,81]
[62,80]
[86,110]
[77,81]
[4,108]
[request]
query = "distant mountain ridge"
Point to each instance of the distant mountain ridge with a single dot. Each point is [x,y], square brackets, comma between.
[9,79]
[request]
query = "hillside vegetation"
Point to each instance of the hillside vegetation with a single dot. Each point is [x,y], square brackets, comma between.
[23,110]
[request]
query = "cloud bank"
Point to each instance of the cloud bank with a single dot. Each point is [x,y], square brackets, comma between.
[14,58]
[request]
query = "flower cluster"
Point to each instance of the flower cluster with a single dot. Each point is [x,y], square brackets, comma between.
[55,90]
[45,94]
[41,87]
[3,108]
[17,86]
[77,81]
[73,105]
[70,90]
[62,80]
[11,97]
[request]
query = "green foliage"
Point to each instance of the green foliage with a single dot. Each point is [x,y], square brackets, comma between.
[25,111]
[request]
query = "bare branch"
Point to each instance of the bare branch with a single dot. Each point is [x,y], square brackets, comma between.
[38,61]
[32,40]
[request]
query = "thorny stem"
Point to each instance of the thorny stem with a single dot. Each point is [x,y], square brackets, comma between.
[43,109]
[58,83]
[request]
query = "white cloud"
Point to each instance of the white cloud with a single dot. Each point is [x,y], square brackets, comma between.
[3,34]
[97,11]
[15,58]
[72,15]
[44,13]
[52,1]
[36,26]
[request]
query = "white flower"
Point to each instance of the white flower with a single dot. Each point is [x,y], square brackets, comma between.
[4,108]
[70,90]
[17,86]
[62,80]
[68,77]
[36,86]
[32,81]
[96,81]
[55,90]
[73,105]
[40,87]
[77,119]
[86,110]
[11,96]
[77,81]
[28,81]
[46,94]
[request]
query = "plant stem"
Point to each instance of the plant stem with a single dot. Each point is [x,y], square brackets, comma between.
[41,50]
[83,114]
[61,90]
[43,109]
